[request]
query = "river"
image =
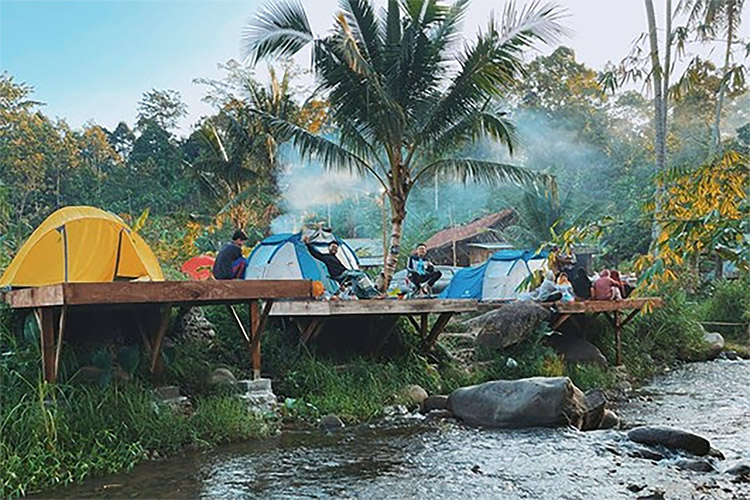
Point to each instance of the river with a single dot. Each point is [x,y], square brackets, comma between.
[445,460]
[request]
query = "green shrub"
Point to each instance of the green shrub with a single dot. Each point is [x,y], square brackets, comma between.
[728,301]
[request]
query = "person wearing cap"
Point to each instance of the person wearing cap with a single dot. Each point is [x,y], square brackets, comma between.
[229,263]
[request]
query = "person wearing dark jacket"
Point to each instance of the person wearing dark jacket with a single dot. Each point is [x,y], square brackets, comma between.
[421,271]
[582,284]
[229,263]
[361,284]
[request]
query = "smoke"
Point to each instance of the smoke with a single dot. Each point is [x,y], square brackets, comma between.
[310,190]
[548,143]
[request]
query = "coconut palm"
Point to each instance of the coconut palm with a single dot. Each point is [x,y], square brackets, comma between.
[714,20]
[404,93]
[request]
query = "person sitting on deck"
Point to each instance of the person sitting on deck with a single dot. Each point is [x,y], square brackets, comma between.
[582,284]
[229,263]
[605,288]
[625,288]
[421,271]
[361,284]
[565,287]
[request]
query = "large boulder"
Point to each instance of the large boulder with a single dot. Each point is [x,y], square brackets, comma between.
[509,324]
[714,344]
[576,349]
[595,402]
[531,402]
[412,395]
[668,437]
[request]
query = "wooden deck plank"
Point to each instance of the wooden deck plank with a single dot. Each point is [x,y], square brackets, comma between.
[370,307]
[592,306]
[157,292]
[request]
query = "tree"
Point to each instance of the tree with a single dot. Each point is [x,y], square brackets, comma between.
[237,162]
[162,107]
[402,100]
[716,20]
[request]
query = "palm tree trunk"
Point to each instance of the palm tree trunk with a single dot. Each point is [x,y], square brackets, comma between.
[716,129]
[659,113]
[398,214]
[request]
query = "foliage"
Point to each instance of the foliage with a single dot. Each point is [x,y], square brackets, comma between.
[400,112]
[703,210]
[727,302]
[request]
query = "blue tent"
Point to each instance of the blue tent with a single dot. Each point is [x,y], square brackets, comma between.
[496,279]
[285,256]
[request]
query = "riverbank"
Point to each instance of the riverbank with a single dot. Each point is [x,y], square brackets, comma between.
[444,460]
[48,433]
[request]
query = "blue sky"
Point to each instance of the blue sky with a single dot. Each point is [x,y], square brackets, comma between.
[92,60]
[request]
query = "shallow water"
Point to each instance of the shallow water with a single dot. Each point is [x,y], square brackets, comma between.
[445,460]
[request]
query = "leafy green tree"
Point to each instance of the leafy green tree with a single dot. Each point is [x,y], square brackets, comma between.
[719,20]
[162,107]
[402,98]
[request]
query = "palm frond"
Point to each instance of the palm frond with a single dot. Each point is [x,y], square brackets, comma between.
[280,28]
[312,146]
[467,170]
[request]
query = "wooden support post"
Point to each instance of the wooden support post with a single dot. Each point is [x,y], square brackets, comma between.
[413,323]
[618,338]
[423,325]
[157,365]
[436,330]
[312,329]
[60,333]
[239,324]
[45,317]
[254,315]
[389,322]
[560,320]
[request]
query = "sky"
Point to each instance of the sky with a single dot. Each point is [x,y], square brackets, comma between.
[89,61]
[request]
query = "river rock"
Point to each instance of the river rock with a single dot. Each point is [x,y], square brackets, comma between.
[331,422]
[576,349]
[194,324]
[595,403]
[739,470]
[509,324]
[531,402]
[670,438]
[413,395]
[610,420]
[714,344]
[222,376]
[432,403]
[695,465]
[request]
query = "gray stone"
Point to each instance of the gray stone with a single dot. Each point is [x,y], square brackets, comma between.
[531,402]
[412,395]
[670,438]
[439,415]
[610,420]
[509,324]
[595,403]
[714,344]
[576,349]
[433,403]
[331,422]
[739,470]
[395,410]
[730,355]
[695,465]
[193,324]
[222,376]
[167,392]
[646,453]
[257,385]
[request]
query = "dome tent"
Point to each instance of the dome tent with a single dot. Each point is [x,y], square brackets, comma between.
[496,279]
[285,256]
[81,245]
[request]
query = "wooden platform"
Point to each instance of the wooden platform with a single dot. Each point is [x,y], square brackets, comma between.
[363,307]
[52,303]
[310,316]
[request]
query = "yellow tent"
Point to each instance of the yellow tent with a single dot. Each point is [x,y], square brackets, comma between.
[81,245]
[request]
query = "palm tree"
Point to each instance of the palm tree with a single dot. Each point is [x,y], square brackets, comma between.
[403,95]
[714,19]
[238,164]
